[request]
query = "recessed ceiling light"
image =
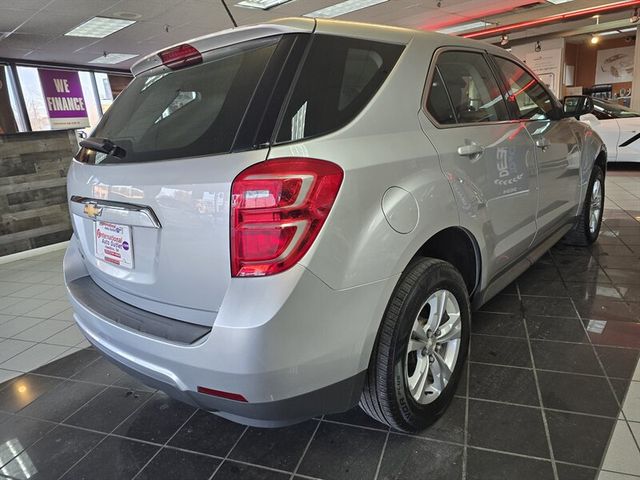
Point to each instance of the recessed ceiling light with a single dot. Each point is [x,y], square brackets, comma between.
[112,58]
[464,27]
[99,27]
[558,2]
[343,8]
[261,4]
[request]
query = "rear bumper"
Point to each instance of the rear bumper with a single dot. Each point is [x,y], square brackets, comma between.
[290,345]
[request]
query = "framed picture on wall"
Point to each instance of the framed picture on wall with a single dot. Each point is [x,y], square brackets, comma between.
[615,65]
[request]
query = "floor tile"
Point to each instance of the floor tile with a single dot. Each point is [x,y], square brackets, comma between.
[410,457]
[108,409]
[605,309]
[127,381]
[8,288]
[506,384]
[279,448]
[42,331]
[565,357]
[580,439]
[631,407]
[28,291]
[357,417]
[556,328]
[6,375]
[49,309]
[230,470]
[546,288]
[507,428]
[34,357]
[581,292]
[623,334]
[547,306]
[618,362]
[577,393]
[18,324]
[101,371]
[622,454]
[70,365]
[615,476]
[65,315]
[484,465]
[208,433]
[62,401]
[11,347]
[343,452]
[156,420]
[499,350]
[507,325]
[24,306]
[572,472]
[113,458]
[173,464]
[23,390]
[69,336]
[52,455]
[449,427]
[18,433]
[503,303]
[630,293]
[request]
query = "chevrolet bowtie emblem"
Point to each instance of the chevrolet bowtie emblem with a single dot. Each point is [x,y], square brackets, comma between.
[92,210]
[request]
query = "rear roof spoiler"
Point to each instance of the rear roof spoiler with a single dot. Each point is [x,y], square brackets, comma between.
[230,37]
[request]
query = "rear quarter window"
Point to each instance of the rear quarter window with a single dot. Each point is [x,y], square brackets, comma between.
[338,77]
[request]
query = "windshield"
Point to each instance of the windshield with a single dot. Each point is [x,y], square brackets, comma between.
[183,113]
[612,110]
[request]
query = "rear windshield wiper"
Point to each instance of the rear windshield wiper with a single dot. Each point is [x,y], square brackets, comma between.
[103,145]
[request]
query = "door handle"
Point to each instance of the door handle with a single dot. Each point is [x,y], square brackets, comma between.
[543,143]
[470,150]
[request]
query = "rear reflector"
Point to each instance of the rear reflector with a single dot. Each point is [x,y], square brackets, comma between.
[278,208]
[219,393]
[181,56]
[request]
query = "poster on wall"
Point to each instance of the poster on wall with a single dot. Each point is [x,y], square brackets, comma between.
[64,99]
[547,64]
[7,121]
[614,65]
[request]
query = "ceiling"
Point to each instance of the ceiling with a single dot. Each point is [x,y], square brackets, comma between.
[33,30]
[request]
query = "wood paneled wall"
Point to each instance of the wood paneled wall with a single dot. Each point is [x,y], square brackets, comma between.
[33,194]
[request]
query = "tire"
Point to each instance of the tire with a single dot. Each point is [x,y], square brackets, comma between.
[387,395]
[583,234]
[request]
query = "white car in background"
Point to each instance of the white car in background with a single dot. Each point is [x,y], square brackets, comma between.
[618,126]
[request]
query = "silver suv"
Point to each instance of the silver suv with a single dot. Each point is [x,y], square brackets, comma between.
[285,220]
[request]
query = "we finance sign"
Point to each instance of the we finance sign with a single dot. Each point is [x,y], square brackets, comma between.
[64,99]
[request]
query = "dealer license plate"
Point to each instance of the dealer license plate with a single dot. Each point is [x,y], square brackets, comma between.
[113,244]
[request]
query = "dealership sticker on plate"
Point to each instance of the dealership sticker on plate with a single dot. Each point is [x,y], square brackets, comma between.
[113,244]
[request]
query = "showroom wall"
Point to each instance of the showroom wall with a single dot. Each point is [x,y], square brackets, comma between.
[33,194]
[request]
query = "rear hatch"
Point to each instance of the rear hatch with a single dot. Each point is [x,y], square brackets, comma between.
[151,211]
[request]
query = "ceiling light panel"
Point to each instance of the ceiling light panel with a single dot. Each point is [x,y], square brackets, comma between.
[558,2]
[630,29]
[343,8]
[99,27]
[464,27]
[611,32]
[261,4]
[113,58]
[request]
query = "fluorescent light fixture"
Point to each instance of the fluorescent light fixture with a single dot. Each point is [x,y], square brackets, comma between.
[261,4]
[610,32]
[464,27]
[558,2]
[99,27]
[112,58]
[630,29]
[343,8]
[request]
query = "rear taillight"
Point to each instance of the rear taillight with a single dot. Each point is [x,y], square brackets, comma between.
[278,208]
[181,56]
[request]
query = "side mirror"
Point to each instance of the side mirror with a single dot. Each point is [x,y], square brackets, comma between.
[576,105]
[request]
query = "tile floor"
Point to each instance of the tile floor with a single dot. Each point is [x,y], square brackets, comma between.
[551,389]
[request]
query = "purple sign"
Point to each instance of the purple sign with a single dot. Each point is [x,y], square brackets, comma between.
[64,99]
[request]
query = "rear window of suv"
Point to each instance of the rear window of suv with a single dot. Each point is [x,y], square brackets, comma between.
[183,113]
[338,78]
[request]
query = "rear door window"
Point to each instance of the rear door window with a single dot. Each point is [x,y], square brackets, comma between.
[338,78]
[189,112]
[473,90]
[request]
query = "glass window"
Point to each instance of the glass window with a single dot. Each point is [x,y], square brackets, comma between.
[34,98]
[438,103]
[10,115]
[90,99]
[339,77]
[532,100]
[104,90]
[473,89]
[188,112]
[605,110]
